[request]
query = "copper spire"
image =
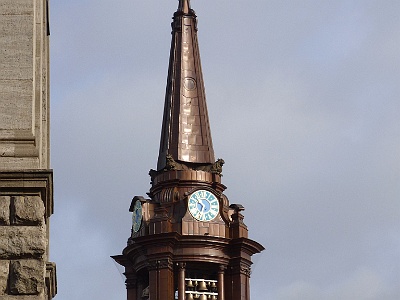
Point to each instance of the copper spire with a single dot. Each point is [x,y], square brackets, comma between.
[185,134]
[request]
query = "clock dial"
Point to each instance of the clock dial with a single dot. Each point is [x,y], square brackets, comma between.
[203,205]
[137,216]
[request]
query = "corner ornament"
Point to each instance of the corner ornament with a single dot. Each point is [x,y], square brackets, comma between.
[172,165]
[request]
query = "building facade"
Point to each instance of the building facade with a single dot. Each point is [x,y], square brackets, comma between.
[188,241]
[26,180]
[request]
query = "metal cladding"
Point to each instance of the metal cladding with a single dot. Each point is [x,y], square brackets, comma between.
[187,241]
[185,134]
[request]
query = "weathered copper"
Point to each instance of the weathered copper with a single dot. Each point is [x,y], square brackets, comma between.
[185,134]
[172,252]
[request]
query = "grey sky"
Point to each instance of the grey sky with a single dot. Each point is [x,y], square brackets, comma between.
[304,103]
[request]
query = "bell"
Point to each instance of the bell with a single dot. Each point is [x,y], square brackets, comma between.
[213,285]
[190,284]
[202,286]
[196,296]
[203,297]
[189,296]
[213,297]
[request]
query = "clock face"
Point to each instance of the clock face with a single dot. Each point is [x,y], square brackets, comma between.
[203,205]
[137,216]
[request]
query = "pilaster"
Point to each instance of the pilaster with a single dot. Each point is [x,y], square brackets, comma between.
[131,284]
[26,182]
[161,278]
[240,276]
[24,85]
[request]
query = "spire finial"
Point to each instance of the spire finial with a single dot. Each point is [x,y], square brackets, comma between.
[184,6]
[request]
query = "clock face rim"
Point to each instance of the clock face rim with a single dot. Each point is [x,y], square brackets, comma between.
[194,206]
[137,216]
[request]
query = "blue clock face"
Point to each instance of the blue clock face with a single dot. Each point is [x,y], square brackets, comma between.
[203,205]
[137,216]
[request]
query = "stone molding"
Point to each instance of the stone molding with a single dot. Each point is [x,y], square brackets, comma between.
[29,182]
[51,280]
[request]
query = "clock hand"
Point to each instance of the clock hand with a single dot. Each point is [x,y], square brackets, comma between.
[202,205]
[206,204]
[202,210]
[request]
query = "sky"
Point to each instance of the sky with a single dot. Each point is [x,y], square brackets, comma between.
[304,103]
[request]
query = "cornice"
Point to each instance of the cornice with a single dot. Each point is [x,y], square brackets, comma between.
[30,181]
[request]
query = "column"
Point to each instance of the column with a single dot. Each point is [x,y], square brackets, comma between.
[240,281]
[181,281]
[221,282]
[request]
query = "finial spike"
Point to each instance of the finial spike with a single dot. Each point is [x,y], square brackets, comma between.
[184,6]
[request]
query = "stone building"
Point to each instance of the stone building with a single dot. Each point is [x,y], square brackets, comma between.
[26,180]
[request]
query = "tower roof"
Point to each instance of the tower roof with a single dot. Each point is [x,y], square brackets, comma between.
[185,134]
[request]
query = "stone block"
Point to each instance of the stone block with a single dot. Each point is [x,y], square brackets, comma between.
[4,269]
[16,104]
[16,52]
[22,241]
[26,277]
[16,7]
[18,163]
[16,35]
[5,210]
[27,210]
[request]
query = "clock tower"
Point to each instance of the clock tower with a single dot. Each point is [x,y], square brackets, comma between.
[188,241]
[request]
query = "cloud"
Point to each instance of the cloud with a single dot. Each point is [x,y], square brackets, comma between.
[299,290]
[362,284]
[303,104]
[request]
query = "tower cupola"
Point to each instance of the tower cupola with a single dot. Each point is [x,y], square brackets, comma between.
[187,241]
